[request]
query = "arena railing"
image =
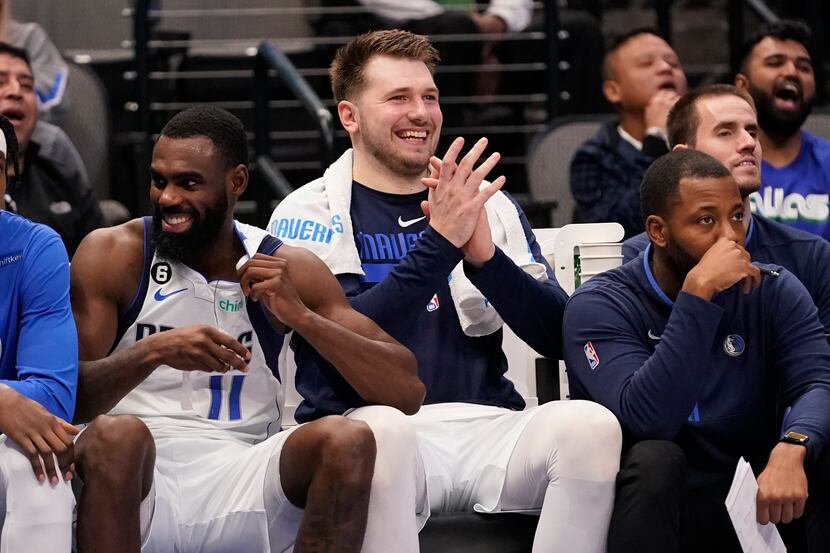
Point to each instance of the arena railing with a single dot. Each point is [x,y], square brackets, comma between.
[270,58]
[157,86]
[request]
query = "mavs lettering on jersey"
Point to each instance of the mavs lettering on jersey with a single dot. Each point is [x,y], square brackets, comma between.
[772,203]
[380,252]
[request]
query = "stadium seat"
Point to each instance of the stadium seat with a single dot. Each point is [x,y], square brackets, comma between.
[86,120]
[549,377]
[87,123]
[549,161]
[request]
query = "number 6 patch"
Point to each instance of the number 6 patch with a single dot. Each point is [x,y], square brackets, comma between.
[161,272]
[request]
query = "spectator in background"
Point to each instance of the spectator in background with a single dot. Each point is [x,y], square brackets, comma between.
[430,17]
[642,79]
[48,65]
[581,41]
[53,187]
[38,378]
[777,71]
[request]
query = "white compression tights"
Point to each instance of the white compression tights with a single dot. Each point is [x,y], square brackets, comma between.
[566,462]
[398,499]
[35,517]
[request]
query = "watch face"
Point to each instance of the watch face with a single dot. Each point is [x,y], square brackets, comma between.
[796,437]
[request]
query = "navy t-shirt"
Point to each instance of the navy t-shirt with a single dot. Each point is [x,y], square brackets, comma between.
[406,291]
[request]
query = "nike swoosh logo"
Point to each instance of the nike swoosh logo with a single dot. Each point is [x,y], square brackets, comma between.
[161,297]
[405,224]
[652,336]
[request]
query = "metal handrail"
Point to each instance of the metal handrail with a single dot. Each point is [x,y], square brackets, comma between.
[269,57]
[764,13]
[141,39]
[141,45]
[332,41]
[282,10]
[212,74]
[553,27]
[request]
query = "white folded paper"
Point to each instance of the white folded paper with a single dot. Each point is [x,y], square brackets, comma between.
[742,509]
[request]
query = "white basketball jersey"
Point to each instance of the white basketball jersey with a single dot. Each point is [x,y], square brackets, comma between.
[170,401]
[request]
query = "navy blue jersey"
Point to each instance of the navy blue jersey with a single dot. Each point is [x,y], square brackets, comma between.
[710,375]
[406,292]
[805,255]
[38,340]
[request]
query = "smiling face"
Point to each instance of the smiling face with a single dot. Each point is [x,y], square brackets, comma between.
[190,191]
[728,131]
[779,76]
[395,118]
[639,68]
[17,96]
[705,210]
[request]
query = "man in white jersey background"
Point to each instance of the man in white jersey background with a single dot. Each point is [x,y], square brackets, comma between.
[180,320]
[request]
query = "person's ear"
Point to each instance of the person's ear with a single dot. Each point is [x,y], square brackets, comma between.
[349,116]
[657,230]
[611,90]
[238,180]
[678,147]
[742,81]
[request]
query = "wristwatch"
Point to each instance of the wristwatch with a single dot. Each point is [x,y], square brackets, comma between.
[793,437]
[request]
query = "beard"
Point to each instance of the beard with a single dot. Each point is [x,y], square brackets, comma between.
[397,163]
[775,122]
[679,260]
[189,244]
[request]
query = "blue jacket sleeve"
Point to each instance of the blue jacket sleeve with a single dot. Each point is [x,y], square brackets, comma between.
[817,264]
[532,309]
[802,361]
[47,353]
[411,283]
[650,392]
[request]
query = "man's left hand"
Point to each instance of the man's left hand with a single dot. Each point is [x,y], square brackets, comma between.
[782,486]
[480,248]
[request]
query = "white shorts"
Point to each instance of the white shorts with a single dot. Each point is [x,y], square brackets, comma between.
[218,495]
[34,516]
[465,449]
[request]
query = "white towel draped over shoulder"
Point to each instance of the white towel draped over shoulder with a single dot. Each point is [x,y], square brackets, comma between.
[316,217]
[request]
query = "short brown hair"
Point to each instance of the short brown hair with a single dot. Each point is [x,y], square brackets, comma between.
[683,120]
[346,71]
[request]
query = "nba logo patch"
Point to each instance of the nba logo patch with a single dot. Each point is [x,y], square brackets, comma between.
[433,304]
[591,355]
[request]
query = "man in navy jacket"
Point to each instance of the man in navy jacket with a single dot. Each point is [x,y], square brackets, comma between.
[695,350]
